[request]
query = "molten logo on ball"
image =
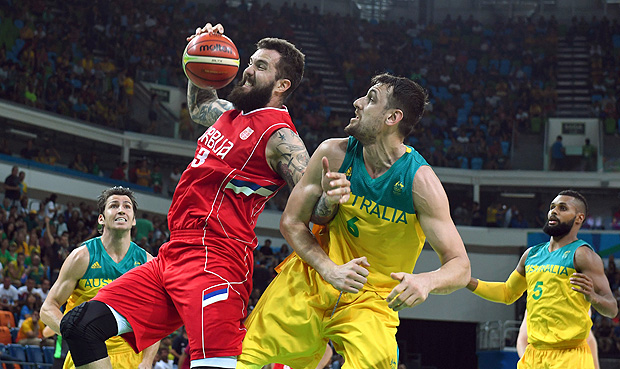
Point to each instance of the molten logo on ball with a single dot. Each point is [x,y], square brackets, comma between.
[217,47]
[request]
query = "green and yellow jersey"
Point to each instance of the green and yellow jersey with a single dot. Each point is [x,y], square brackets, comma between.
[101,271]
[379,221]
[557,317]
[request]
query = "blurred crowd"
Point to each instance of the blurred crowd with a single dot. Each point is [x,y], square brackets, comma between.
[487,83]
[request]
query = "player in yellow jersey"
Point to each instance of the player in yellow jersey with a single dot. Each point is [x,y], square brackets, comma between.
[563,278]
[350,291]
[96,263]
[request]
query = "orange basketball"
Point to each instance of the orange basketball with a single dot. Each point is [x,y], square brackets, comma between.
[211,60]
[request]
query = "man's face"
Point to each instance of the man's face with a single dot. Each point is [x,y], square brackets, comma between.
[370,114]
[259,79]
[118,213]
[561,216]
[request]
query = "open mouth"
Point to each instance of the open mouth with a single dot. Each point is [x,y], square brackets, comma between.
[119,219]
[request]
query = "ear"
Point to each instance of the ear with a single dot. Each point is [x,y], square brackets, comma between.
[396,115]
[580,218]
[101,219]
[282,85]
[133,223]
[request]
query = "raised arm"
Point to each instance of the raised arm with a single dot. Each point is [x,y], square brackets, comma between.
[590,280]
[294,222]
[203,104]
[433,211]
[73,268]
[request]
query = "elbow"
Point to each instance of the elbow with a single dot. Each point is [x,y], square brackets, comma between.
[465,275]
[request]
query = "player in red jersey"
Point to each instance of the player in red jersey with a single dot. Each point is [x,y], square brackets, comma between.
[202,277]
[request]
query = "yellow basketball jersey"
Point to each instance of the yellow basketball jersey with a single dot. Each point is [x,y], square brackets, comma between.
[557,316]
[379,220]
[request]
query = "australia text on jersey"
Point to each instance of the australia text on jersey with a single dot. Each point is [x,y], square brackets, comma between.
[547,268]
[381,211]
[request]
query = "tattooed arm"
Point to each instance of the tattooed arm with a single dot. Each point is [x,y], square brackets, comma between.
[204,106]
[305,199]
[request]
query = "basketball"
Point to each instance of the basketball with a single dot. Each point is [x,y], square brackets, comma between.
[211,60]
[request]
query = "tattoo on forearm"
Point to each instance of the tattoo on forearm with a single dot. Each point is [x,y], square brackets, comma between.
[323,212]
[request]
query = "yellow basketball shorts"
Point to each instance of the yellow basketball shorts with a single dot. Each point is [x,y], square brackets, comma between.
[123,357]
[579,357]
[292,323]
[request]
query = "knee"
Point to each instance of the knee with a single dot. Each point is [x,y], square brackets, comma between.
[71,323]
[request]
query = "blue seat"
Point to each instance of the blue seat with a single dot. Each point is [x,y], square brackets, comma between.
[35,355]
[48,354]
[19,352]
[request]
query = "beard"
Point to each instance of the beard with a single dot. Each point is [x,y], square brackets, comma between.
[365,136]
[560,230]
[255,98]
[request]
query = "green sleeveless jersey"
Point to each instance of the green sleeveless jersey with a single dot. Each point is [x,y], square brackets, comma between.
[557,317]
[379,221]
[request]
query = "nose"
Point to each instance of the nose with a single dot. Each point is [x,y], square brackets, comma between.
[358,103]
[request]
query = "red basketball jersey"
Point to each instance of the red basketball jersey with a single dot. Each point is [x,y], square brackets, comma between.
[226,186]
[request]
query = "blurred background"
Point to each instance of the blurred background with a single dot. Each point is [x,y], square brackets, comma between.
[524,103]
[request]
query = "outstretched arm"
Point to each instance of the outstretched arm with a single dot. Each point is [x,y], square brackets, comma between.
[203,104]
[590,280]
[504,292]
[433,211]
[349,277]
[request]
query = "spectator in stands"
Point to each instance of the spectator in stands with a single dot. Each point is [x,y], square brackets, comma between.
[143,174]
[93,165]
[8,295]
[174,178]
[144,228]
[78,164]
[23,187]
[588,154]
[29,152]
[11,186]
[29,306]
[119,172]
[16,268]
[50,156]
[157,179]
[36,271]
[558,156]
[51,208]
[31,331]
[186,125]
[265,249]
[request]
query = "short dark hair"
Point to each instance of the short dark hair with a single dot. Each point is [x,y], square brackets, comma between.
[291,64]
[407,96]
[578,196]
[116,190]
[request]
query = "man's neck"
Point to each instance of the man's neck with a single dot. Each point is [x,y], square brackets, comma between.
[116,243]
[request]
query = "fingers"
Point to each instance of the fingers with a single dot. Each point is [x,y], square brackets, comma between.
[362,261]
[325,163]
[208,28]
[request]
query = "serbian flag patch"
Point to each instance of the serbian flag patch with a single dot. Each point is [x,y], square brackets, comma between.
[209,297]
